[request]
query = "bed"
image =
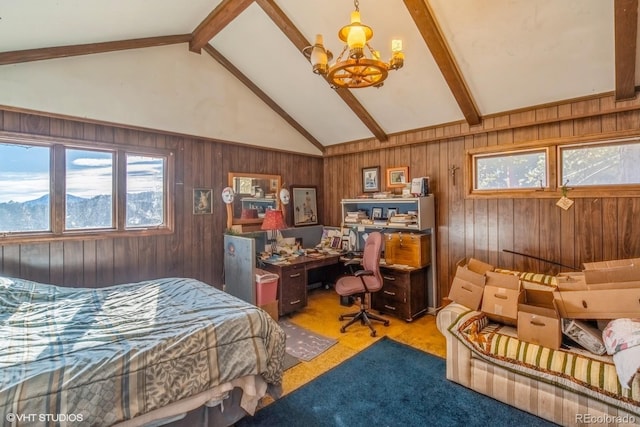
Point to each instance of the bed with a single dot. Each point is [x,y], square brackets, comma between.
[145,353]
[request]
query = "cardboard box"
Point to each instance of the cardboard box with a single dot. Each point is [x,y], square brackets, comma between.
[479,266]
[409,249]
[538,320]
[467,288]
[598,303]
[501,296]
[272,309]
[621,273]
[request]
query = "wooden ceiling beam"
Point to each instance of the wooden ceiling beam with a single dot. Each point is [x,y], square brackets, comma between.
[430,31]
[41,54]
[300,42]
[626,32]
[220,17]
[263,96]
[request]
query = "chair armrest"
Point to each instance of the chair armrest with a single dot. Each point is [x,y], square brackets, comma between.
[352,262]
[363,273]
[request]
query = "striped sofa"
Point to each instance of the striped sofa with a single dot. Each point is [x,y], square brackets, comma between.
[568,387]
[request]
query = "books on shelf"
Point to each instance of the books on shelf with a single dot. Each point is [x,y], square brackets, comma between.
[355,216]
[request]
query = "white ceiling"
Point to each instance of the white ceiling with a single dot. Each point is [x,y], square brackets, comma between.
[511,54]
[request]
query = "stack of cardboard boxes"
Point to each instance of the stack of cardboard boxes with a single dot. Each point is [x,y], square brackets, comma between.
[603,291]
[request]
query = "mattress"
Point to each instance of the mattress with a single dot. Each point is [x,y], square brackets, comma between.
[104,356]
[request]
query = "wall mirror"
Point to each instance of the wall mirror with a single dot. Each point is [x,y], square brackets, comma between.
[254,194]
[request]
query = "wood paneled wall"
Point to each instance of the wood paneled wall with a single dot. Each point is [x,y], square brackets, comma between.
[598,228]
[195,249]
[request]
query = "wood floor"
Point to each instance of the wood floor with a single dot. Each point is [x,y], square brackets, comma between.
[321,316]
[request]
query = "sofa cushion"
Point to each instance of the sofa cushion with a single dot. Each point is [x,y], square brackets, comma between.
[574,369]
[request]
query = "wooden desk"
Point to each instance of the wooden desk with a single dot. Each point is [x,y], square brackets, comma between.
[292,287]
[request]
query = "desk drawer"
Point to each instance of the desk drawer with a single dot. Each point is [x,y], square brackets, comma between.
[293,289]
[401,279]
[392,292]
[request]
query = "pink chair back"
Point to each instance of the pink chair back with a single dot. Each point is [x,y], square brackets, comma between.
[371,260]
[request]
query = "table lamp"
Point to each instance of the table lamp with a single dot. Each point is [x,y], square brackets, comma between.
[273,221]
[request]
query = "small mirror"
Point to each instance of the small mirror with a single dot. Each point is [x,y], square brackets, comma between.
[254,194]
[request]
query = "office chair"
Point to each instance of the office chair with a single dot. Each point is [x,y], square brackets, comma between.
[364,282]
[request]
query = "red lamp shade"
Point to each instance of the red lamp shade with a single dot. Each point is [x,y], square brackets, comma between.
[273,220]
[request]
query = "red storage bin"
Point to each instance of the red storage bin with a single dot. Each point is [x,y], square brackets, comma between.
[266,287]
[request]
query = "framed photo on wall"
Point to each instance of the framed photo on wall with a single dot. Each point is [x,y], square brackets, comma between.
[397,177]
[371,179]
[304,205]
[202,201]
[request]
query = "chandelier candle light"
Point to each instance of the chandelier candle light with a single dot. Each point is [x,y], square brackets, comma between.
[357,70]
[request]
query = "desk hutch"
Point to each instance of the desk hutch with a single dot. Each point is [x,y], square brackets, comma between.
[406,292]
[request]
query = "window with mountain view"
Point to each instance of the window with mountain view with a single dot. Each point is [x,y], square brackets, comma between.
[89,182]
[601,164]
[49,188]
[24,188]
[145,191]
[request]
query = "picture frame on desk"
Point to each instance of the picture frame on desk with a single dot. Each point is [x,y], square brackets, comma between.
[376,213]
[304,205]
[371,179]
[391,212]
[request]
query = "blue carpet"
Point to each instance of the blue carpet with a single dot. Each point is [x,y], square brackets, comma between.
[388,384]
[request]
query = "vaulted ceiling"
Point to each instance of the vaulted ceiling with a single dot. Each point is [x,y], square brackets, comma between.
[233,70]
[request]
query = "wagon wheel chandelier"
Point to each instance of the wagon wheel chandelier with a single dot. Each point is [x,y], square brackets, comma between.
[357,70]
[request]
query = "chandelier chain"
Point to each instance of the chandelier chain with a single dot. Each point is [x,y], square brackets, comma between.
[356,3]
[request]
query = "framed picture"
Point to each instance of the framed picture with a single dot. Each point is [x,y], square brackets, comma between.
[304,205]
[391,212]
[202,201]
[376,213]
[397,177]
[371,179]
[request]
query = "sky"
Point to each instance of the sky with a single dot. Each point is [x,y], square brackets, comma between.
[24,173]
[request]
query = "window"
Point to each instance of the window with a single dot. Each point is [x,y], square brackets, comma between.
[24,188]
[145,191]
[514,170]
[601,164]
[542,169]
[88,183]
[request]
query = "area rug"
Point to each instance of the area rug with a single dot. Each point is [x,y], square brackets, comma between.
[388,384]
[304,344]
[290,361]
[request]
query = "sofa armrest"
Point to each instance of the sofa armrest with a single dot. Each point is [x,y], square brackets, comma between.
[458,355]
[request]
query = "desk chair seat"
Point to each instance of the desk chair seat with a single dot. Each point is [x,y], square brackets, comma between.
[363,282]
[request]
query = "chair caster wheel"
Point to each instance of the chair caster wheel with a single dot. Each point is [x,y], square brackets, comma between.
[343,330]
[386,323]
[373,333]
[341,318]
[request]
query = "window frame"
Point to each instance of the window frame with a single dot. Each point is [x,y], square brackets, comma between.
[612,187]
[57,227]
[554,186]
[476,156]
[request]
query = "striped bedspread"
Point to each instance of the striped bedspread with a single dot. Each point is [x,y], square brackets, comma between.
[574,369]
[108,355]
